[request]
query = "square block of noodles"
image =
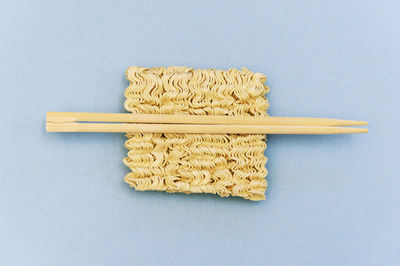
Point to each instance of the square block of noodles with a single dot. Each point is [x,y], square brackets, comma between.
[223,164]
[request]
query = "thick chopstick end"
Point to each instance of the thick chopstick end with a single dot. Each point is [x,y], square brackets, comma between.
[61,127]
[60,117]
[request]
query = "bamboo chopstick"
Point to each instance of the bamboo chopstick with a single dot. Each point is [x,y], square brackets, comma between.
[58,117]
[181,123]
[197,129]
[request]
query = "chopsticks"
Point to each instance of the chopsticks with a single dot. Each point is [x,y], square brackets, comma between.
[181,123]
[195,119]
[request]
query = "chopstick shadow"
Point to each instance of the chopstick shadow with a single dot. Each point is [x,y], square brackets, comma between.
[300,140]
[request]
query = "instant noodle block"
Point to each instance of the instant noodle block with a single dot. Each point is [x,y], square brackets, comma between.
[223,164]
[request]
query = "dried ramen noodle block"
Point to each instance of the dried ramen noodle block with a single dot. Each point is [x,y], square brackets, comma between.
[223,164]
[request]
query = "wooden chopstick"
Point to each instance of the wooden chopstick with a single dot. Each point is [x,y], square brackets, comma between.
[62,117]
[181,123]
[197,129]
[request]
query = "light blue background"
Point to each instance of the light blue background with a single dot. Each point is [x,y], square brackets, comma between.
[332,200]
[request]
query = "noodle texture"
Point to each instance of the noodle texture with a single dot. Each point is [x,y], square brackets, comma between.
[223,164]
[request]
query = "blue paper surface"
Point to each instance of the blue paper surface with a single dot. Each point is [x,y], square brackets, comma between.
[331,200]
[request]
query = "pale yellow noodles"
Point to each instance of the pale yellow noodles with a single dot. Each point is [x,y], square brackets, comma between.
[223,164]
